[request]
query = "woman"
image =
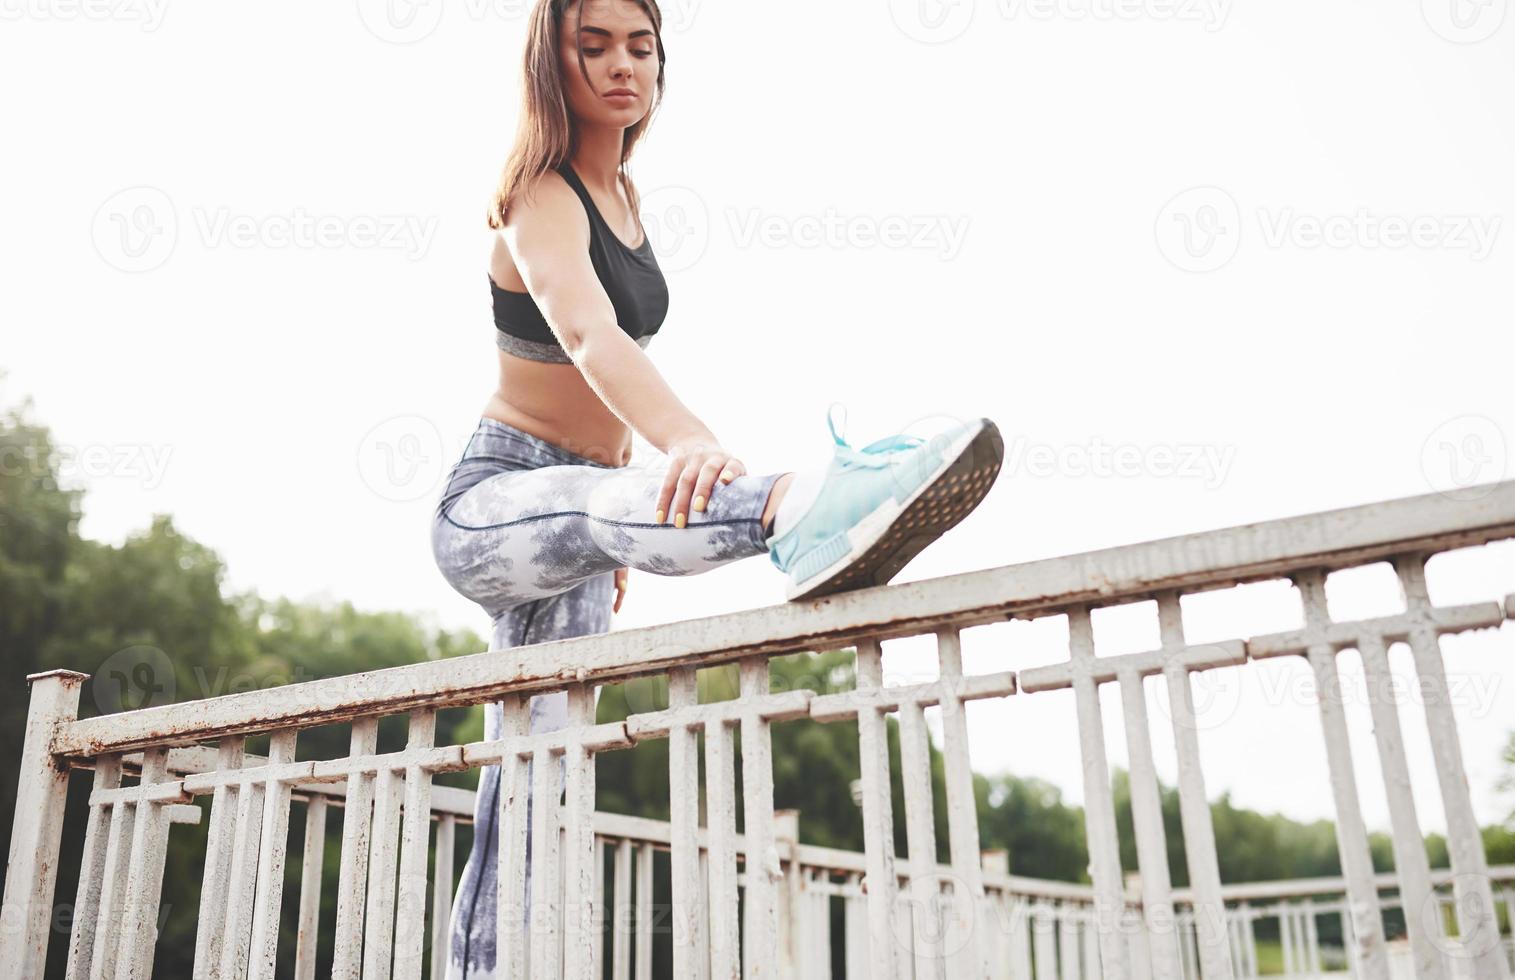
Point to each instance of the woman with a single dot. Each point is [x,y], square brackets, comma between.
[542,516]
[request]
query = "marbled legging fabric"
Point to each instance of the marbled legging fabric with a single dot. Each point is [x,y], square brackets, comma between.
[534,533]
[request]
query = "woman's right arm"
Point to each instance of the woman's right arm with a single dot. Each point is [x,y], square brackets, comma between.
[547,232]
[549,240]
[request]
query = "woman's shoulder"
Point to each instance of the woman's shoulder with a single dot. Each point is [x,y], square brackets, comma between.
[544,199]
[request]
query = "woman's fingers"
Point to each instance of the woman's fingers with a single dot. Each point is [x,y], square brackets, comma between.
[690,481]
[620,588]
[705,481]
[670,485]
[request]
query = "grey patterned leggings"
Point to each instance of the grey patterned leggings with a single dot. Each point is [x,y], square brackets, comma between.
[534,533]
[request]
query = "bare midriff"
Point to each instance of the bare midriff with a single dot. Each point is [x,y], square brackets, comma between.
[553,402]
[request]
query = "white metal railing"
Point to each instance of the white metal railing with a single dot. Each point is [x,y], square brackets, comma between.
[953,918]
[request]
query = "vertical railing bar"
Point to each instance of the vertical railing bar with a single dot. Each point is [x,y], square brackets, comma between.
[878,821]
[92,870]
[241,889]
[1067,943]
[1411,865]
[1351,832]
[441,898]
[620,934]
[36,833]
[962,808]
[545,922]
[1477,922]
[1209,939]
[310,887]
[644,913]
[410,899]
[383,859]
[1044,941]
[1099,808]
[144,878]
[762,858]
[1151,838]
[512,943]
[684,815]
[920,838]
[264,946]
[581,953]
[352,880]
[720,792]
[118,851]
[210,934]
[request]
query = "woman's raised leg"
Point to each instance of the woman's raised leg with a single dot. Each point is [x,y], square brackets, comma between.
[526,534]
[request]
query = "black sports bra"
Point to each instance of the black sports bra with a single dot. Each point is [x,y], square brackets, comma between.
[631,278]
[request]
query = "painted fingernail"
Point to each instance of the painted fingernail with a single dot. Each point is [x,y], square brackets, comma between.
[678,520]
[699,503]
[728,476]
[660,516]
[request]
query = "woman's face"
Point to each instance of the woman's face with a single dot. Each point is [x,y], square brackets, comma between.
[620,54]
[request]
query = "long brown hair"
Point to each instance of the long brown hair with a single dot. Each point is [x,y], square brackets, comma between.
[545,136]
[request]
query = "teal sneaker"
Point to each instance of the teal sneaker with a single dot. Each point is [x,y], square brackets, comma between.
[880,506]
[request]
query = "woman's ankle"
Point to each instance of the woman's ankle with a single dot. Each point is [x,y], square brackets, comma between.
[775,498]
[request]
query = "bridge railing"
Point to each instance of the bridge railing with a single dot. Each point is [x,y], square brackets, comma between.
[948,926]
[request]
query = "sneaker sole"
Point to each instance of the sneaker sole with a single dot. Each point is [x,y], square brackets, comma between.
[886,540]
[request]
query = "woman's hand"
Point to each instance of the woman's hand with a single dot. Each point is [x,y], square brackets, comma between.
[620,588]
[695,465]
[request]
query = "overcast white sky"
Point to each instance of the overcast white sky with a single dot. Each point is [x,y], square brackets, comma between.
[1204,262]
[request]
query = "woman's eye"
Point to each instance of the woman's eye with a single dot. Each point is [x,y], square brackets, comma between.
[593,50]
[643,54]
